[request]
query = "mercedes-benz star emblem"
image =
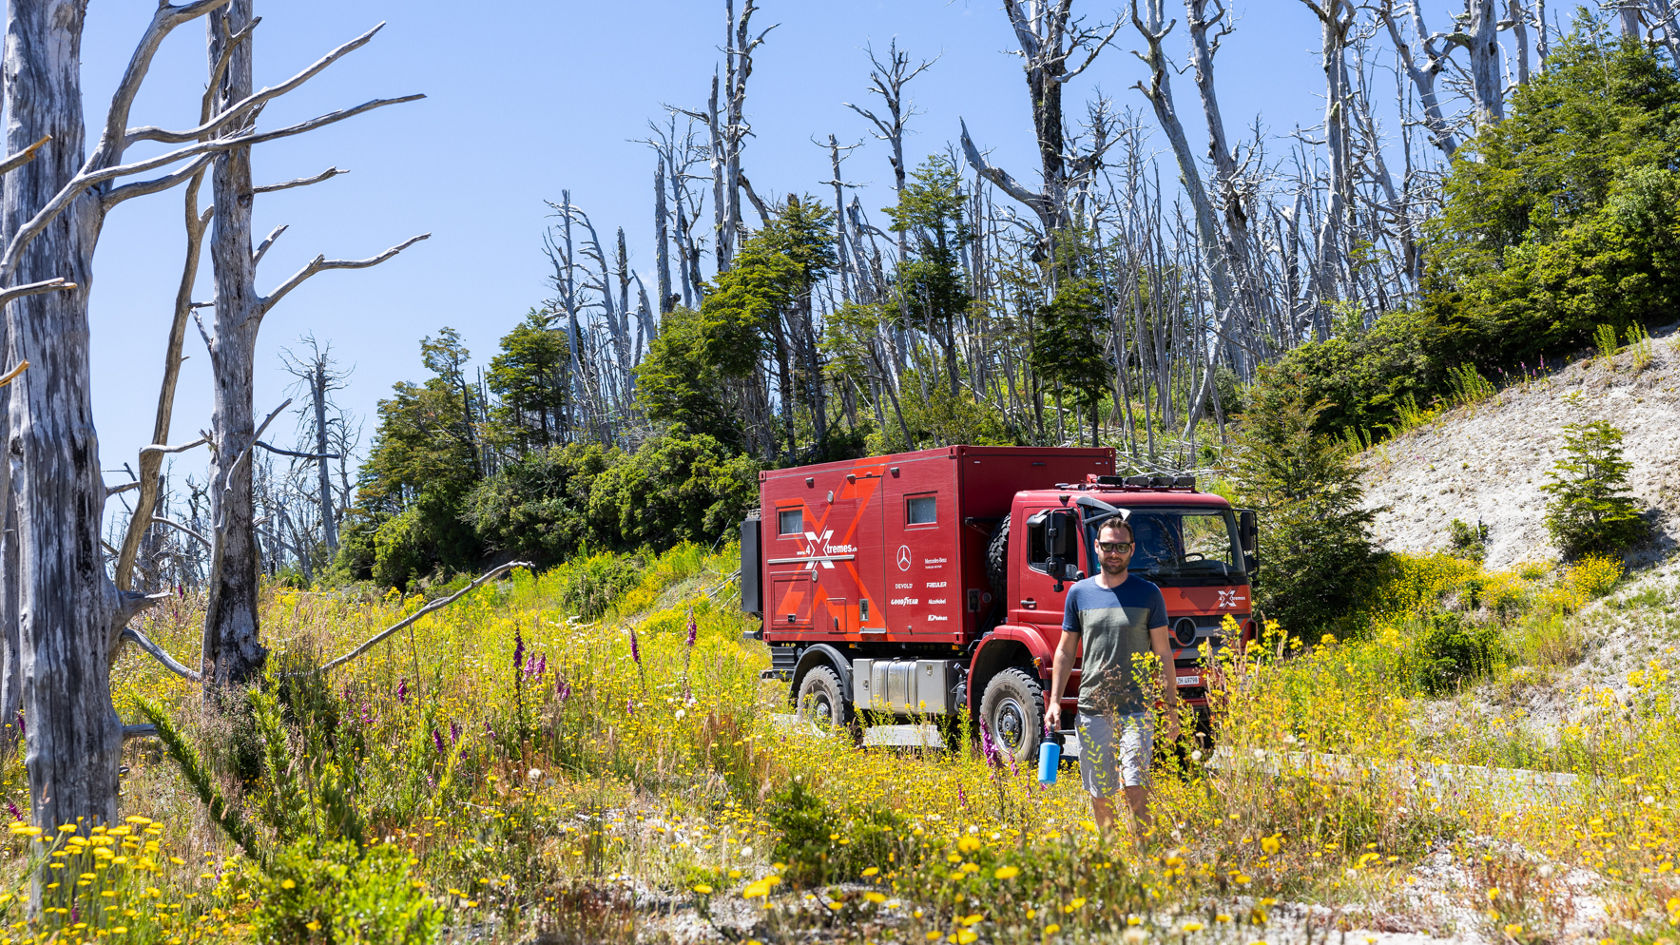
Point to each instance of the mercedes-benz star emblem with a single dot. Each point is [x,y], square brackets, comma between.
[904,557]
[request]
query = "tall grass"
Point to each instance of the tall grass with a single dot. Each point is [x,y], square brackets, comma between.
[532,765]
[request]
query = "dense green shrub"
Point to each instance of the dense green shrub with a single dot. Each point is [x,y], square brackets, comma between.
[337,892]
[1319,562]
[592,584]
[676,487]
[1589,512]
[538,508]
[810,831]
[1452,651]
[1468,541]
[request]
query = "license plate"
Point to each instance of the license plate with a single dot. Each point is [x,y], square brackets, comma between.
[1189,680]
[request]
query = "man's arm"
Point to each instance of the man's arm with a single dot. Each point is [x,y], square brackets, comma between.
[1169,678]
[1067,650]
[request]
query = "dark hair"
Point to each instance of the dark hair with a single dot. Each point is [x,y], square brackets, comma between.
[1116,521]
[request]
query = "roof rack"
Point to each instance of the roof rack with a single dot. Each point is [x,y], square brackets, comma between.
[1139,483]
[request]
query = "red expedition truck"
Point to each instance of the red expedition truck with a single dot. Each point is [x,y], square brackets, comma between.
[930,585]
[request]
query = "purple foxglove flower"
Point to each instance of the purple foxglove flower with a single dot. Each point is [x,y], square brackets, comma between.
[437,741]
[13,810]
[518,650]
[988,747]
[693,628]
[402,691]
[542,665]
[635,651]
[562,687]
[454,732]
[630,707]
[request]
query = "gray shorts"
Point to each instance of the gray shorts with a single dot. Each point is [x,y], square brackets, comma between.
[1115,751]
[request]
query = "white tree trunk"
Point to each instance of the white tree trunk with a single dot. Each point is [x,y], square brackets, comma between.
[65,601]
[1487,66]
[233,651]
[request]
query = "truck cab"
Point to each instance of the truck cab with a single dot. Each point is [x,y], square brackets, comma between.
[931,585]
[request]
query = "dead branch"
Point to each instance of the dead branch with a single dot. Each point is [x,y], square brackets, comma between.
[23,157]
[13,374]
[295,454]
[434,605]
[156,185]
[87,179]
[327,174]
[119,490]
[35,288]
[182,448]
[140,640]
[322,264]
[253,101]
[268,241]
[131,604]
[160,520]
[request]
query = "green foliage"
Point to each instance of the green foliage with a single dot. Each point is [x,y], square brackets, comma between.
[1067,349]
[1467,541]
[336,892]
[1468,385]
[676,487]
[1604,338]
[1318,561]
[1451,652]
[1364,378]
[592,584]
[199,777]
[685,378]
[941,418]
[538,507]
[1589,511]
[1565,215]
[530,376]
[808,827]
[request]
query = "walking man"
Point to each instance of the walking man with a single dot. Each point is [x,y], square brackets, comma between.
[1118,617]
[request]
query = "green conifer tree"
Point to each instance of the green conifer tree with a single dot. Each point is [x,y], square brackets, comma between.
[1590,511]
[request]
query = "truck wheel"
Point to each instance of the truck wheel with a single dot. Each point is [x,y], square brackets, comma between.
[1013,709]
[819,699]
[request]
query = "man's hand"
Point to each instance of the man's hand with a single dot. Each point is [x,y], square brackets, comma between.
[1171,713]
[1053,715]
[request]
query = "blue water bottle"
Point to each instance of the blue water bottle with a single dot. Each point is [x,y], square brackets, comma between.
[1049,757]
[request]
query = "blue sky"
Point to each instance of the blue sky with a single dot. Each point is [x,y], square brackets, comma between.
[532,98]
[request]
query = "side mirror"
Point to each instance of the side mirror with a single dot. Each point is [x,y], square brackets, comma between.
[1061,539]
[1248,535]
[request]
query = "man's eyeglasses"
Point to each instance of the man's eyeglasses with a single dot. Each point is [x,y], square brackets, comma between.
[1114,547]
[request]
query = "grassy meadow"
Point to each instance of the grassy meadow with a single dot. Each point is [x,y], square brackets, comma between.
[588,755]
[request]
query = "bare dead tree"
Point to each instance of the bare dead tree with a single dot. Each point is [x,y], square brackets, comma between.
[888,80]
[317,377]
[1421,69]
[1479,33]
[233,652]
[1055,47]
[53,210]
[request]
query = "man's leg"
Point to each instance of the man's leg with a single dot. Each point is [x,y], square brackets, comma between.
[1136,747]
[1102,811]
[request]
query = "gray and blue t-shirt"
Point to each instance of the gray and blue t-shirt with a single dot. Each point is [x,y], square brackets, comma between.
[1114,624]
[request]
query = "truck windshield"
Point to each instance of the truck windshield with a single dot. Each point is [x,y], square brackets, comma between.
[1183,547]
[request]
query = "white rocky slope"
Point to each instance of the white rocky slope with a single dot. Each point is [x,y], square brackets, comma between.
[1488,461]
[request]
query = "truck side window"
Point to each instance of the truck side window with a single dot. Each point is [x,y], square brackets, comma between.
[1038,549]
[920,510]
[790,522]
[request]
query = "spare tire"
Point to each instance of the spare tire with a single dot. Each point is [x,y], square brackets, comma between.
[997,561]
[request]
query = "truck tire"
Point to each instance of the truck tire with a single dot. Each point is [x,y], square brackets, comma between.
[997,562]
[1012,709]
[820,700]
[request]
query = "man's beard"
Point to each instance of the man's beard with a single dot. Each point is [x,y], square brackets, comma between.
[1115,570]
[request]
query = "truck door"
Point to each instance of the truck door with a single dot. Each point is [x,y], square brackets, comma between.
[1035,600]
